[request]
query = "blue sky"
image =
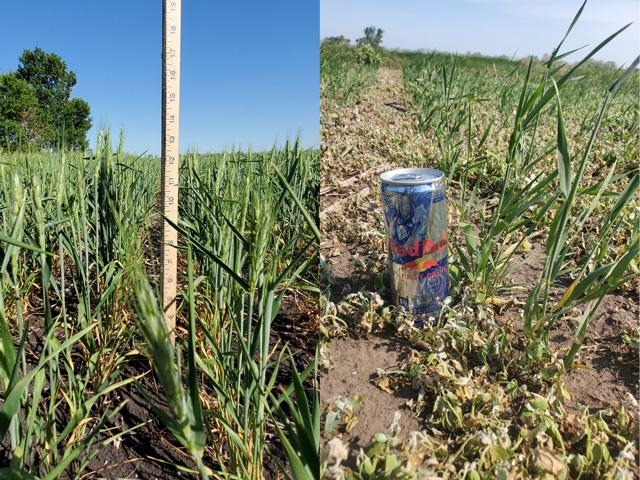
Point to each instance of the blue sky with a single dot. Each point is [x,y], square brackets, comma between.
[249,72]
[491,27]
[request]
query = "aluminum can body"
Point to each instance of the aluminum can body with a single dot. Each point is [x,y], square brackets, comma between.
[415,213]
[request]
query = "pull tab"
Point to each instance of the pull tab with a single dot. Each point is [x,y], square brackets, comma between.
[406,176]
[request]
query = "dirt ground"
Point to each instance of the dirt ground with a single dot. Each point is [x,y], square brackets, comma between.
[376,135]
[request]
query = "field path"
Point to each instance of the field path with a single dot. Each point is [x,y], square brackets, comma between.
[360,143]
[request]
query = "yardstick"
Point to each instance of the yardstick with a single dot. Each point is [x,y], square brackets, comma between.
[171,20]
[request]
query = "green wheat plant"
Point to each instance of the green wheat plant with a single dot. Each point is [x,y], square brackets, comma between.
[72,231]
[300,436]
[342,79]
[258,242]
[527,194]
[30,411]
[49,252]
[604,277]
[185,419]
[249,224]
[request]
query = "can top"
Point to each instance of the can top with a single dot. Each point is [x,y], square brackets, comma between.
[412,176]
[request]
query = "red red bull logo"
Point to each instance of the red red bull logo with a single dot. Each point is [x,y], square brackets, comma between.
[424,266]
[420,265]
[418,249]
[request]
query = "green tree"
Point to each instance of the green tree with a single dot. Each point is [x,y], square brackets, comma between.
[65,122]
[19,113]
[336,41]
[372,37]
[77,123]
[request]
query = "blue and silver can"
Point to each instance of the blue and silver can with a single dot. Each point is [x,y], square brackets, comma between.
[415,213]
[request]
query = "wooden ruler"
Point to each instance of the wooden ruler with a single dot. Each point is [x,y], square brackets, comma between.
[171,19]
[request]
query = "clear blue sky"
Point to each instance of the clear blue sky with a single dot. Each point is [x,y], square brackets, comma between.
[491,27]
[250,72]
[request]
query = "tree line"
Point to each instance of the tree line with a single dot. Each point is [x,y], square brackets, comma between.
[36,108]
[372,38]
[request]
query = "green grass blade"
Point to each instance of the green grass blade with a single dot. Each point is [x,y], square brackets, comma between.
[561,83]
[83,445]
[205,251]
[625,75]
[17,243]
[623,264]
[562,153]
[305,214]
[575,19]
[579,338]
[297,467]
[195,412]
[627,194]
[12,399]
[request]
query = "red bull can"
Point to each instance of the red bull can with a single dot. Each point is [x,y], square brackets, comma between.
[415,214]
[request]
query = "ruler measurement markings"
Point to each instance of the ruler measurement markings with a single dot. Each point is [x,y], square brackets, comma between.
[170,155]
